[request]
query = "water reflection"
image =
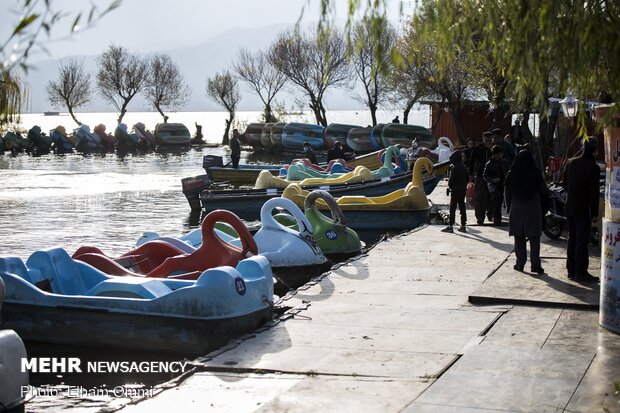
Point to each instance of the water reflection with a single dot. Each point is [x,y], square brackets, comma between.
[98,199]
[105,200]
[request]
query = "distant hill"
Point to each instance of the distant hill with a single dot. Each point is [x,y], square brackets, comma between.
[197,62]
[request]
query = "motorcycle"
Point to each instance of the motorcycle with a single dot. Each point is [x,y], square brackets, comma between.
[554,220]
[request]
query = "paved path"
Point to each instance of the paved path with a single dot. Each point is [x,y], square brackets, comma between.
[394,331]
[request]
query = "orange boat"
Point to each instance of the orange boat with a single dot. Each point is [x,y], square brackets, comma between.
[161,259]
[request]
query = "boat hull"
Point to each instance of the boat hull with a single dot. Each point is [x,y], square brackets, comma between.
[295,134]
[172,134]
[358,139]
[244,174]
[403,134]
[337,132]
[247,203]
[265,136]
[247,174]
[276,134]
[252,134]
[140,332]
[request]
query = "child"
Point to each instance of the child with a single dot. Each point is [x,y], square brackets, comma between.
[457,185]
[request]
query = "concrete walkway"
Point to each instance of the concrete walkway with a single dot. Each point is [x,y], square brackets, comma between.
[395,331]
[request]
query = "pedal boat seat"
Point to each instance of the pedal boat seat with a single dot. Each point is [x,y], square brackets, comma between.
[130,287]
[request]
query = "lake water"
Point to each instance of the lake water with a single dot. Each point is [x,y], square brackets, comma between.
[107,201]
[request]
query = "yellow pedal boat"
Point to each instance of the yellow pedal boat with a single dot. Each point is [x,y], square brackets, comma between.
[359,174]
[399,210]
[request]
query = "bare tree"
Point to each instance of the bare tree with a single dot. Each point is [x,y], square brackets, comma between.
[30,20]
[405,82]
[224,90]
[262,77]
[371,59]
[72,88]
[121,76]
[312,63]
[165,87]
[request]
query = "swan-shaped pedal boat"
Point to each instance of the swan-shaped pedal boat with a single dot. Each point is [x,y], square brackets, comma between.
[170,258]
[328,167]
[284,246]
[286,240]
[444,149]
[331,233]
[86,140]
[62,142]
[359,174]
[399,210]
[303,168]
[54,298]
[108,140]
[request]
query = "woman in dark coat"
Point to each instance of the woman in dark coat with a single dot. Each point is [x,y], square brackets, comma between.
[523,190]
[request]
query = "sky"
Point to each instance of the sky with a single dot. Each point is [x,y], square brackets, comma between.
[180,28]
[152,25]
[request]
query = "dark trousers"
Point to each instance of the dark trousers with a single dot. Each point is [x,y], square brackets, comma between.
[497,199]
[235,161]
[577,258]
[483,200]
[457,198]
[521,251]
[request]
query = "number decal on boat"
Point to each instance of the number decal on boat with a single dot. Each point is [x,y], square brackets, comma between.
[240,286]
[331,234]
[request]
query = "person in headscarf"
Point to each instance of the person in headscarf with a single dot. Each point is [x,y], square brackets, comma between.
[309,153]
[524,189]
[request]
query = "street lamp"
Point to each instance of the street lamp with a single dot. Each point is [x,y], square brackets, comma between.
[569,106]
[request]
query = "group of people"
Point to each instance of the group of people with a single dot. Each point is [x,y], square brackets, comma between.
[504,176]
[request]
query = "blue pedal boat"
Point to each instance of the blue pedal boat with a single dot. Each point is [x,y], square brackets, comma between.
[53,298]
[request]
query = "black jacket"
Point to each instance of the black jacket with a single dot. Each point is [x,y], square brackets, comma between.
[335,153]
[480,155]
[458,173]
[581,180]
[495,174]
[311,156]
[235,147]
